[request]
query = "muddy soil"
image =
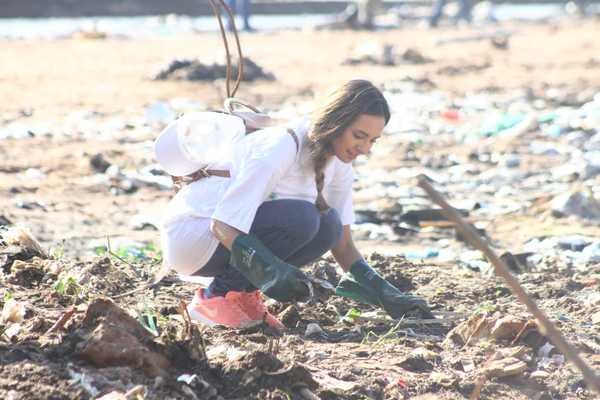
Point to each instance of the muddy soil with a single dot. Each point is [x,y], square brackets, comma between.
[116,345]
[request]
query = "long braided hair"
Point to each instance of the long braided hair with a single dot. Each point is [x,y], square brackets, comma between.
[337,113]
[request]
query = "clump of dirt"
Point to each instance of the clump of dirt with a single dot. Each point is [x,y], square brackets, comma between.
[112,337]
[195,70]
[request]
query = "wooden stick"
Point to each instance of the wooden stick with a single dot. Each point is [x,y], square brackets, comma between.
[62,320]
[186,319]
[479,383]
[501,269]
[138,391]
[437,224]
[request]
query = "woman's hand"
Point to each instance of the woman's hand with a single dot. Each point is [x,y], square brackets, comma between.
[362,283]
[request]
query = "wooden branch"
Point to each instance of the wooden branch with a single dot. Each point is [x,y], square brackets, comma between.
[501,269]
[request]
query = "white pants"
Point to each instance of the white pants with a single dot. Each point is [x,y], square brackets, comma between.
[188,244]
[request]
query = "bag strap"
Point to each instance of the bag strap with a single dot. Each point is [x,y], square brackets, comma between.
[180,181]
[295,137]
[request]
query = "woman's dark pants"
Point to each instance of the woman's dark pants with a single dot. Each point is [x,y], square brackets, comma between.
[294,230]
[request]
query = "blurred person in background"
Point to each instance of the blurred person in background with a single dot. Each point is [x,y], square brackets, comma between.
[464,12]
[244,11]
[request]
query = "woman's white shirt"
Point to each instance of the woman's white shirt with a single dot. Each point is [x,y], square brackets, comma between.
[266,165]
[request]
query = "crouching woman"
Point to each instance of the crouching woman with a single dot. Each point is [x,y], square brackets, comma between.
[287,202]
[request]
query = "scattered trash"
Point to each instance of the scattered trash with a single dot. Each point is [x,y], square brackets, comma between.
[98,163]
[422,255]
[577,203]
[13,311]
[159,113]
[574,243]
[484,326]
[21,244]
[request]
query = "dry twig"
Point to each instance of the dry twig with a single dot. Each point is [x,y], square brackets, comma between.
[186,319]
[62,320]
[478,387]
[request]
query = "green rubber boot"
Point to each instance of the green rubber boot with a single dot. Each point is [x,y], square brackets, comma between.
[274,277]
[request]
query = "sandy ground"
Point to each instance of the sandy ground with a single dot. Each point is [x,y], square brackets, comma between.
[110,77]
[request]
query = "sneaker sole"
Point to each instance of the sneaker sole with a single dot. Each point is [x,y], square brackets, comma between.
[202,319]
[199,317]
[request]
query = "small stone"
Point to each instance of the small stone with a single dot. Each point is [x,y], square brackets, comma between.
[99,163]
[419,360]
[314,330]
[426,354]
[290,316]
[505,367]
[539,375]
[442,379]
[159,381]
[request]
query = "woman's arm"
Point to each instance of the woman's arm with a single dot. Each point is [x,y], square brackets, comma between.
[345,252]
[224,233]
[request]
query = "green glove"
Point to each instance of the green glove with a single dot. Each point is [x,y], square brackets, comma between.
[274,277]
[365,285]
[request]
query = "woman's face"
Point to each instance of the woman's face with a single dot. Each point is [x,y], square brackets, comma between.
[358,138]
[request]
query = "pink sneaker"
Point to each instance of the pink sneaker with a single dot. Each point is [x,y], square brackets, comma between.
[221,310]
[256,309]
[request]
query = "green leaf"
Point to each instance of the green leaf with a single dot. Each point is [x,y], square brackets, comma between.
[351,315]
[148,321]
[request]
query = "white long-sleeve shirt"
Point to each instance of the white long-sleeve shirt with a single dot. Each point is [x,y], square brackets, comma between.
[266,165]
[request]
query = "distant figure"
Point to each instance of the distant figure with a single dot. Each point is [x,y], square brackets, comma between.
[464,12]
[244,11]
[359,14]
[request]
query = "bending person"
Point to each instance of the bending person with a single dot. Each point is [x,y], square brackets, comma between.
[288,201]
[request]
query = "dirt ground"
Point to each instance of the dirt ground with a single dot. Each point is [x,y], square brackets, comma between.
[50,82]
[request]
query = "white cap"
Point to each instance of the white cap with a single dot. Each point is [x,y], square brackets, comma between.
[186,144]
